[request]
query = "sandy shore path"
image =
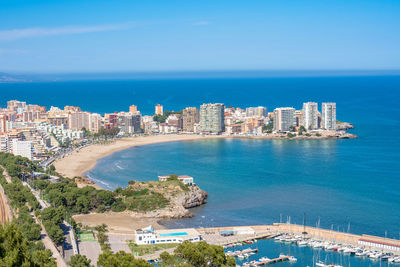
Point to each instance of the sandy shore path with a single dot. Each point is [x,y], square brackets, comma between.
[79,162]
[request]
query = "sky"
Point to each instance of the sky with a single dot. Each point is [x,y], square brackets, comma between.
[68,36]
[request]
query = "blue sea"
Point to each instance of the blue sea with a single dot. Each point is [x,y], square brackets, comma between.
[351,185]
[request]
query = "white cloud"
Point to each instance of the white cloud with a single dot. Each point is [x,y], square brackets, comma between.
[15,34]
[201,23]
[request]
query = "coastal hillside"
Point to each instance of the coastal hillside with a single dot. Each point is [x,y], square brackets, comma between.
[168,199]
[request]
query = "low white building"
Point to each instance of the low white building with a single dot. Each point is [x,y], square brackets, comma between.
[22,148]
[148,235]
[185,179]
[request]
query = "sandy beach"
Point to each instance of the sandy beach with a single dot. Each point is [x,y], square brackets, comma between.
[79,162]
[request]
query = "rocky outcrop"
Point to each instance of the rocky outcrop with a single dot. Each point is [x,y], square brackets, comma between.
[194,197]
[180,197]
[344,125]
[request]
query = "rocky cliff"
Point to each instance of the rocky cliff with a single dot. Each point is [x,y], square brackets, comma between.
[180,197]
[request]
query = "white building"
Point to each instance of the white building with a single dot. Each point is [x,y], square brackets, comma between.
[310,115]
[185,179]
[258,112]
[328,116]
[284,118]
[212,118]
[149,236]
[167,129]
[22,148]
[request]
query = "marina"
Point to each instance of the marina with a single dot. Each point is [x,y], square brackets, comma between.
[325,247]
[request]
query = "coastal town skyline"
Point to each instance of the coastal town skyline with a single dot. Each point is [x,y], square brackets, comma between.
[29,129]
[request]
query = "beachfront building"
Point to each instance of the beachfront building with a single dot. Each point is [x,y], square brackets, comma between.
[133,109]
[129,123]
[310,115]
[328,119]
[284,118]
[78,120]
[165,128]
[22,148]
[159,110]
[258,112]
[190,116]
[148,235]
[212,118]
[185,179]
[175,120]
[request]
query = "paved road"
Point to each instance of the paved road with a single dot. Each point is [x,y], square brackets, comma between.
[68,248]
[4,208]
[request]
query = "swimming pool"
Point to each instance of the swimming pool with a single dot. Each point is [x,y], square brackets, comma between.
[174,234]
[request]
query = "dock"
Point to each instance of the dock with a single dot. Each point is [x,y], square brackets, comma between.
[270,261]
[237,253]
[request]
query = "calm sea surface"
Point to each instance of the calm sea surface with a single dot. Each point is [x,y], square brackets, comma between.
[346,183]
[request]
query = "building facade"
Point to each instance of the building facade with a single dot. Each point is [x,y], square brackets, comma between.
[310,115]
[328,120]
[190,116]
[212,118]
[22,148]
[129,123]
[133,109]
[159,110]
[284,118]
[78,120]
[258,112]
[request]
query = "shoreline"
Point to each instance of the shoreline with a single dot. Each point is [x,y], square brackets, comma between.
[79,162]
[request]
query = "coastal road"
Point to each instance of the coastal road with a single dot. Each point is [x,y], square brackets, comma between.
[5,212]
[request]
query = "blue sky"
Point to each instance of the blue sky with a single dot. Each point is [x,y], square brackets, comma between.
[113,36]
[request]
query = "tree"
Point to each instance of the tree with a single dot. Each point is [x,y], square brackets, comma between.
[83,204]
[198,254]
[269,127]
[121,258]
[105,197]
[15,250]
[43,258]
[79,260]
[292,128]
[55,233]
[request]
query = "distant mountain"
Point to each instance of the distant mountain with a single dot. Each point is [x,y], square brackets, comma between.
[10,78]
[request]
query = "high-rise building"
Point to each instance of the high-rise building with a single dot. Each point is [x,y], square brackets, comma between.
[258,112]
[133,109]
[190,117]
[328,120]
[78,120]
[95,122]
[110,120]
[16,106]
[212,118]
[129,123]
[159,110]
[310,115]
[284,118]
[3,123]
[22,148]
